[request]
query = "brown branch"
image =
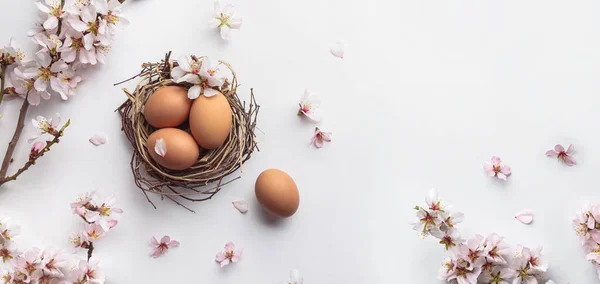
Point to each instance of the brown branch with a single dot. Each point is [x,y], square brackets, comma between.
[13,142]
[34,158]
[2,81]
[90,250]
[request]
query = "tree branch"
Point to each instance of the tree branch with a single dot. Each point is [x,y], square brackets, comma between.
[34,158]
[2,81]
[13,142]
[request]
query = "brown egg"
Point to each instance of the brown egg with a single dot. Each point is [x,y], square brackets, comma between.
[277,193]
[182,150]
[211,121]
[168,107]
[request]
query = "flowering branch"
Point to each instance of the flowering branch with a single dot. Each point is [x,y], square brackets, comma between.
[479,259]
[71,38]
[34,154]
[52,266]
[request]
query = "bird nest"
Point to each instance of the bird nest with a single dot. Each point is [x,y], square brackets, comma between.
[209,174]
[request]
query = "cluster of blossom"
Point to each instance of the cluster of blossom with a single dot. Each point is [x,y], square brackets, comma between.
[587,228]
[36,266]
[100,216]
[71,38]
[202,73]
[478,259]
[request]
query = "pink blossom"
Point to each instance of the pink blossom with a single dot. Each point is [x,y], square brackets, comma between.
[319,137]
[8,251]
[94,232]
[496,248]
[525,216]
[38,147]
[562,155]
[78,239]
[105,212]
[449,239]
[231,254]
[161,248]
[497,168]
[309,106]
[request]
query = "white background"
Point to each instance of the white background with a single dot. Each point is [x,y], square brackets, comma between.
[428,91]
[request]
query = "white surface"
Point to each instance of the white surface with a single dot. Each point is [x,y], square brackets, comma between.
[427,92]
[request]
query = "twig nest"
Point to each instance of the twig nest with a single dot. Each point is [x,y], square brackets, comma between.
[210,121]
[191,168]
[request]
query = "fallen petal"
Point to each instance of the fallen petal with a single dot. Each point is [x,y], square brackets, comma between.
[160,147]
[98,139]
[241,205]
[525,216]
[337,49]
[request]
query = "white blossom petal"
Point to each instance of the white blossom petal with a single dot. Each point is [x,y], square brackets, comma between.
[209,92]
[51,23]
[338,49]
[160,148]
[42,7]
[78,25]
[184,63]
[525,216]
[98,139]
[40,85]
[194,92]
[241,205]
[213,23]
[225,32]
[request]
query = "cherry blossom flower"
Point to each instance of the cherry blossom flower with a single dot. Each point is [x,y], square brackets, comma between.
[160,148]
[78,239]
[54,11]
[38,147]
[295,278]
[563,155]
[98,139]
[449,239]
[231,254]
[226,19]
[91,271]
[163,246]
[449,220]
[106,214]
[45,126]
[29,261]
[338,49]
[241,205]
[83,201]
[473,250]
[7,230]
[427,221]
[497,168]
[112,15]
[77,46]
[44,72]
[464,272]
[524,273]
[448,268]
[496,248]
[525,216]
[95,232]
[434,201]
[203,74]
[52,261]
[8,251]
[309,105]
[86,22]
[319,137]
[11,54]
[498,275]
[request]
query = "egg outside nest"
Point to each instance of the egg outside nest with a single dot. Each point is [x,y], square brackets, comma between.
[214,168]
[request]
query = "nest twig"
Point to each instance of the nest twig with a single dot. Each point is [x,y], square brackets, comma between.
[205,178]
